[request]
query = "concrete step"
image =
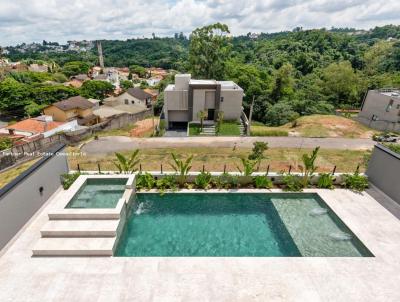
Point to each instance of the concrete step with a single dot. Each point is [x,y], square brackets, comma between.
[80,228]
[85,214]
[74,247]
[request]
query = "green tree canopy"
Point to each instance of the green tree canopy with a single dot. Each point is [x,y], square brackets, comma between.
[96,89]
[209,49]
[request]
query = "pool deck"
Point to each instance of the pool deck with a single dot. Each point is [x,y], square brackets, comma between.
[27,278]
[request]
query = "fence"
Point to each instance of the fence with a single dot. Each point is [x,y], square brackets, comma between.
[32,149]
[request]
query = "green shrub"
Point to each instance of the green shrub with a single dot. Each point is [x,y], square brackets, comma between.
[394,147]
[145,181]
[226,181]
[194,129]
[203,180]
[5,143]
[293,183]
[262,132]
[68,179]
[325,181]
[262,182]
[166,183]
[356,181]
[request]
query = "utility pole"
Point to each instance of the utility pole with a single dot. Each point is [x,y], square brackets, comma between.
[251,114]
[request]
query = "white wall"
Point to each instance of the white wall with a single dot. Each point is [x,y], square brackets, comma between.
[69,126]
[232,104]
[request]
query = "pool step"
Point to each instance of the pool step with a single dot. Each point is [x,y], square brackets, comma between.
[80,228]
[74,247]
[77,214]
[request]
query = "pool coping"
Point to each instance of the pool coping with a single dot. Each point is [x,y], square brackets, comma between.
[215,278]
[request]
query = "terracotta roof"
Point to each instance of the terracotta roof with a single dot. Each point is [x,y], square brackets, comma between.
[153,92]
[75,102]
[138,93]
[34,126]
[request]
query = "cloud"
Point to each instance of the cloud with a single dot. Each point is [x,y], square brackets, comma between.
[60,20]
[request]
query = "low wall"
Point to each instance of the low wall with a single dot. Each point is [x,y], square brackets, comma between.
[23,196]
[379,124]
[384,171]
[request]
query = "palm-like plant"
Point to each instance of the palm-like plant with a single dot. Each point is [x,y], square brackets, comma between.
[248,166]
[202,116]
[309,166]
[128,164]
[182,167]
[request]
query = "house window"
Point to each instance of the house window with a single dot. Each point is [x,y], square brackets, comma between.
[126,102]
[398,106]
[222,99]
[133,102]
[374,117]
[389,106]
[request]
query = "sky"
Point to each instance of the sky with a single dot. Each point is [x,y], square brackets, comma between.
[63,20]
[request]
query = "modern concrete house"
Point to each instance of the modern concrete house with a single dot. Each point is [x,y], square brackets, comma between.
[381,110]
[184,100]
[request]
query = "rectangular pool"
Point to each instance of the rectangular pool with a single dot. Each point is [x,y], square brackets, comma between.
[236,224]
[98,193]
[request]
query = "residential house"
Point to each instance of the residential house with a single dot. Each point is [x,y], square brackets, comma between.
[381,110]
[37,127]
[187,97]
[133,96]
[76,107]
[154,93]
[153,81]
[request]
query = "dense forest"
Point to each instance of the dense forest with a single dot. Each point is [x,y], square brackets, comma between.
[287,74]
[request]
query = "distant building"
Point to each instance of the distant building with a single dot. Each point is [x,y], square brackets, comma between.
[133,96]
[76,107]
[381,110]
[154,93]
[41,126]
[38,67]
[184,100]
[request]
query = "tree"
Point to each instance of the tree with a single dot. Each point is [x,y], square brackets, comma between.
[279,114]
[139,70]
[127,164]
[208,50]
[283,86]
[14,97]
[75,67]
[182,167]
[126,84]
[342,85]
[202,116]
[257,153]
[96,89]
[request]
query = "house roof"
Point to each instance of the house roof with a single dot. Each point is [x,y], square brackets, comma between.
[138,93]
[75,102]
[34,126]
[153,92]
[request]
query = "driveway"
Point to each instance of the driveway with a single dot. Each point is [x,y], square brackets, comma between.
[111,144]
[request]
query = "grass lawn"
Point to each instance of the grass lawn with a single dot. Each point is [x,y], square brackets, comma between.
[9,175]
[320,126]
[214,159]
[194,129]
[229,129]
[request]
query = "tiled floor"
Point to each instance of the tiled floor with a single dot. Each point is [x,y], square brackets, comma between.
[23,278]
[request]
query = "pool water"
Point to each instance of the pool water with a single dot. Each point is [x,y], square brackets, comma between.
[99,193]
[236,224]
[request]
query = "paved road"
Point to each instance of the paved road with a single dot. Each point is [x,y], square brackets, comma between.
[121,143]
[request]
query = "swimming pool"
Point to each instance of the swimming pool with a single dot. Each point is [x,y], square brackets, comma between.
[98,193]
[236,224]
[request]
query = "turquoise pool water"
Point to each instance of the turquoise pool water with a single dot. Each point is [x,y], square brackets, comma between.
[236,224]
[99,193]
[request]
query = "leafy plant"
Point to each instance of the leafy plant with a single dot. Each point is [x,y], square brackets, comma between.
[293,183]
[309,166]
[203,180]
[325,181]
[248,166]
[220,120]
[166,183]
[5,143]
[356,181]
[146,181]
[68,179]
[262,182]
[257,153]
[202,116]
[226,181]
[182,167]
[127,165]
